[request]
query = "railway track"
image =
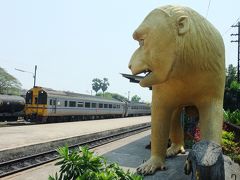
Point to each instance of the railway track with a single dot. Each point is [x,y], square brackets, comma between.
[27,162]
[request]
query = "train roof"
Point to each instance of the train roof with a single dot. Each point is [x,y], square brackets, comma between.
[53,92]
[11,97]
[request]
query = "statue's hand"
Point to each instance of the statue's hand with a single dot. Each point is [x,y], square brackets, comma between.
[151,166]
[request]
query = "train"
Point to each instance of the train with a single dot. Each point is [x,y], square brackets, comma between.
[48,105]
[11,107]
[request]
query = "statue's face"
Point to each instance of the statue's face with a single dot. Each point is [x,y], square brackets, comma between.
[156,52]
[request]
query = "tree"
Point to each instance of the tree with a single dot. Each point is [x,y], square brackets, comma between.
[8,83]
[96,84]
[109,95]
[135,98]
[234,85]
[119,97]
[231,75]
[104,85]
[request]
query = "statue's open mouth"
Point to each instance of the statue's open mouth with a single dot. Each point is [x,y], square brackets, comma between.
[147,72]
[143,74]
[138,78]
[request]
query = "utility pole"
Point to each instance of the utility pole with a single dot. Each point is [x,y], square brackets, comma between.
[238,41]
[34,74]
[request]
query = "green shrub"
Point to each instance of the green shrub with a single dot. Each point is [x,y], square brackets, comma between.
[232,117]
[234,85]
[85,165]
[230,148]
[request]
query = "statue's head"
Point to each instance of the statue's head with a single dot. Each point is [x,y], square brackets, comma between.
[173,39]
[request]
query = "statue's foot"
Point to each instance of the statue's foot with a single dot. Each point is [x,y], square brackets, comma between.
[174,149]
[151,166]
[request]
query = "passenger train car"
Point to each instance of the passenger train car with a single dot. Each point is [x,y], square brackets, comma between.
[47,105]
[11,107]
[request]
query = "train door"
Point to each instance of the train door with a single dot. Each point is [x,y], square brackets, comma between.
[53,104]
[125,106]
[29,97]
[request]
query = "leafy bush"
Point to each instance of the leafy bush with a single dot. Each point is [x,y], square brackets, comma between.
[235,85]
[232,117]
[85,165]
[230,147]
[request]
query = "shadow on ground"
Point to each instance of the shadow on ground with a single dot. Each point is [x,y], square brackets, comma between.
[132,155]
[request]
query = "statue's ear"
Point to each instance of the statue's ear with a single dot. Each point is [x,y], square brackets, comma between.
[182,25]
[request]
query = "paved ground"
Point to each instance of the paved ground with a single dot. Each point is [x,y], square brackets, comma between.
[131,155]
[18,136]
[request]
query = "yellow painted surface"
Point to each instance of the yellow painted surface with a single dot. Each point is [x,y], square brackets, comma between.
[185,59]
[39,109]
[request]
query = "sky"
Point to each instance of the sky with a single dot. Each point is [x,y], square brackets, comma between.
[74,41]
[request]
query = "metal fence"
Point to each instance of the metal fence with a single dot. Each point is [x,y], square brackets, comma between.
[231,100]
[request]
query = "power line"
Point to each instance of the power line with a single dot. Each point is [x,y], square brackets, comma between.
[231,26]
[208,8]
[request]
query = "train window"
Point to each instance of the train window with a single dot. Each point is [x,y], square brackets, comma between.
[50,102]
[94,105]
[42,97]
[105,105]
[110,105]
[72,103]
[54,102]
[29,97]
[65,103]
[100,105]
[80,104]
[87,104]
[114,106]
[59,103]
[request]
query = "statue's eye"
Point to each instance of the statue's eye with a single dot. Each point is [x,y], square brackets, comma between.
[141,42]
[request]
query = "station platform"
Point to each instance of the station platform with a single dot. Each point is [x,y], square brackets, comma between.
[17,136]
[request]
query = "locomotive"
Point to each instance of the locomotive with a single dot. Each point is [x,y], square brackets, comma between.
[11,107]
[48,105]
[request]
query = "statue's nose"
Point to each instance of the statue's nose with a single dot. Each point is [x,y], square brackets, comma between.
[129,66]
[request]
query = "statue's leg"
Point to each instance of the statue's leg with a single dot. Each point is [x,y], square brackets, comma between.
[161,114]
[211,119]
[176,134]
[205,160]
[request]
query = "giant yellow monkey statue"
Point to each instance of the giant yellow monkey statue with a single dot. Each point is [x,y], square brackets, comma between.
[183,57]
